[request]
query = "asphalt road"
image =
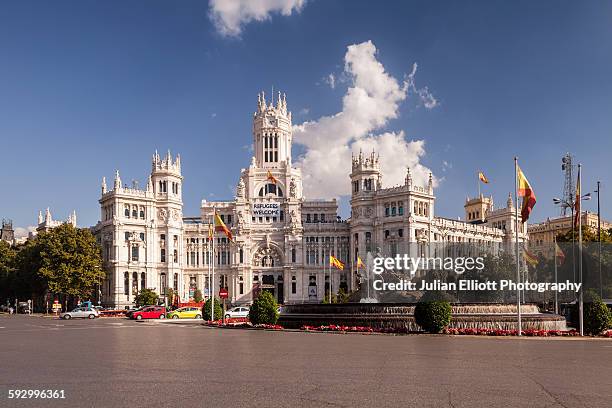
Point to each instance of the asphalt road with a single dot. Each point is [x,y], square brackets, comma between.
[122,363]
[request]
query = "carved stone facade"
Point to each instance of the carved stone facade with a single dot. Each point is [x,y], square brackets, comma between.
[282,241]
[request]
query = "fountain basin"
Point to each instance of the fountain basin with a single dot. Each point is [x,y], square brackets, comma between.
[401,316]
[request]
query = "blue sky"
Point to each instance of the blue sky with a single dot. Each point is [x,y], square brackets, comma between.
[87,87]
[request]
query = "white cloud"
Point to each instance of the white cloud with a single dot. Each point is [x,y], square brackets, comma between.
[372,99]
[22,232]
[330,80]
[304,111]
[229,16]
[426,98]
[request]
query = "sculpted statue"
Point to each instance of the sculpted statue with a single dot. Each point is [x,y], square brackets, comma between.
[292,188]
[162,214]
[240,189]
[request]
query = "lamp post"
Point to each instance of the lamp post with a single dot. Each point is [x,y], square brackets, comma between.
[599,238]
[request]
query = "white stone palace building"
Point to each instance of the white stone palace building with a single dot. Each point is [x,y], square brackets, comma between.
[282,240]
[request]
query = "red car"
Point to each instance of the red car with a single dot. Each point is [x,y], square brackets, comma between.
[150,312]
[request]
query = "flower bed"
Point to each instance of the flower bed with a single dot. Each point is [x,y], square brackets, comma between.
[242,322]
[353,329]
[501,332]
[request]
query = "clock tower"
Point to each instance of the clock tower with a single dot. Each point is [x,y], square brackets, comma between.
[272,133]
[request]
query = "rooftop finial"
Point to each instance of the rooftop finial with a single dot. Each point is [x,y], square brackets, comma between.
[103,185]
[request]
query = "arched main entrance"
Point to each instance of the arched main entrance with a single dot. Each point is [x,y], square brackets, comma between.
[268,273]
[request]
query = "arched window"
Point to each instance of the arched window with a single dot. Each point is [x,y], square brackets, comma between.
[126,284]
[270,188]
[135,212]
[176,281]
[162,283]
[241,255]
[143,280]
[134,282]
[126,212]
[142,212]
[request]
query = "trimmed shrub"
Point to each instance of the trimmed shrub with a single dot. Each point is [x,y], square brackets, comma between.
[146,297]
[206,310]
[433,316]
[197,296]
[597,316]
[264,309]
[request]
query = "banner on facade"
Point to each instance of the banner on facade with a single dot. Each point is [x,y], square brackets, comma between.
[266,209]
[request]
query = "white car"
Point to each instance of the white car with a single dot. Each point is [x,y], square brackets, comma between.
[81,312]
[239,311]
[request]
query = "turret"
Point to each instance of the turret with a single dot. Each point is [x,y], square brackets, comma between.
[166,178]
[272,134]
[365,174]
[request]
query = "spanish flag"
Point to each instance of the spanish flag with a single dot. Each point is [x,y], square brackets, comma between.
[221,227]
[483,178]
[271,178]
[560,255]
[577,202]
[335,262]
[360,263]
[530,258]
[525,191]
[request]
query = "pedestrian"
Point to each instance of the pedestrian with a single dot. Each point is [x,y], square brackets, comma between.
[10,310]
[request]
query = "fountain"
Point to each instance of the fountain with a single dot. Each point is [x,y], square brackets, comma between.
[396,311]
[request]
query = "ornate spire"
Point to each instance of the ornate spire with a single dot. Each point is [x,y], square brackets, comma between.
[149,184]
[48,218]
[430,183]
[40,217]
[509,202]
[408,179]
[117,184]
[104,185]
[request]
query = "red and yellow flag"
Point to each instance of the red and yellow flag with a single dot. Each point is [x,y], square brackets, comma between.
[360,263]
[530,258]
[221,227]
[483,178]
[560,255]
[336,263]
[577,201]
[525,191]
[271,178]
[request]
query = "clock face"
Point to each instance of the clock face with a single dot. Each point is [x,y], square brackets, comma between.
[272,121]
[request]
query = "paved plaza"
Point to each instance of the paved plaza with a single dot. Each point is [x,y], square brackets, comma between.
[122,363]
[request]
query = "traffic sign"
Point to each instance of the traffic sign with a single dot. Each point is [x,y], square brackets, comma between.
[223,293]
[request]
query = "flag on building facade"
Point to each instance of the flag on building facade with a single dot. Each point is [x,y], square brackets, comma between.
[210,232]
[525,191]
[271,178]
[530,258]
[483,178]
[221,227]
[559,254]
[336,263]
[360,263]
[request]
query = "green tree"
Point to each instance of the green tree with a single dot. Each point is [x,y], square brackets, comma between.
[264,309]
[197,296]
[146,297]
[597,316]
[207,307]
[70,260]
[588,235]
[7,268]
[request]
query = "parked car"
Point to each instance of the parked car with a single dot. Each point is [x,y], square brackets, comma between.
[80,312]
[132,309]
[186,312]
[150,312]
[239,311]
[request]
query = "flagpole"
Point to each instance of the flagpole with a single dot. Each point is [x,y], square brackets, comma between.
[579,198]
[516,228]
[478,181]
[212,290]
[556,291]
